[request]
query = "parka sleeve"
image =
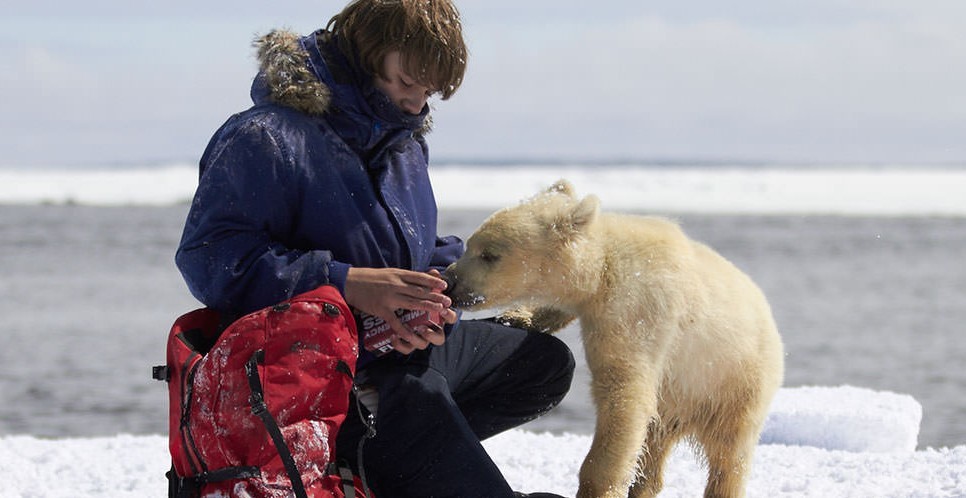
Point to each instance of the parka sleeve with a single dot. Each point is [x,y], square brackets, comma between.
[448,250]
[230,252]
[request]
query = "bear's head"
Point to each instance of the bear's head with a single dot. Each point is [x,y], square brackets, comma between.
[534,253]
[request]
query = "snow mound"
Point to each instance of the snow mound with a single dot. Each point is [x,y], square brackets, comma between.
[843,418]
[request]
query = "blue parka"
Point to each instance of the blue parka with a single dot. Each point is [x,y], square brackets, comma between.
[324,172]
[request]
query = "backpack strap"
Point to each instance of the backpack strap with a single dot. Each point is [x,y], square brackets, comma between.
[260,409]
[344,473]
[368,419]
[189,487]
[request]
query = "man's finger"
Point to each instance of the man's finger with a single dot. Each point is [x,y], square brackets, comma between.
[406,334]
[426,280]
[400,345]
[448,315]
[432,333]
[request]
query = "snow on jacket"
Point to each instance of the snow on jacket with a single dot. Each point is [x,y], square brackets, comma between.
[324,172]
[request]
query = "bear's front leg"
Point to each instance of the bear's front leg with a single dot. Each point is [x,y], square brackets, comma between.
[626,401]
[544,319]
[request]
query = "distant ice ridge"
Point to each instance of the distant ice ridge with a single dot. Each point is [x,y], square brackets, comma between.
[99,187]
[726,190]
[892,191]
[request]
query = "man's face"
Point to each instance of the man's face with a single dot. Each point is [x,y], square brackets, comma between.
[401,88]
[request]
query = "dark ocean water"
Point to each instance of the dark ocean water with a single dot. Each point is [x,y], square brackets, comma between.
[87,295]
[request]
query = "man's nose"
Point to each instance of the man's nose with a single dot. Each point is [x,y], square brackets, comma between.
[415,101]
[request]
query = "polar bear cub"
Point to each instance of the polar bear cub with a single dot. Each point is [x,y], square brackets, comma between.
[681,344]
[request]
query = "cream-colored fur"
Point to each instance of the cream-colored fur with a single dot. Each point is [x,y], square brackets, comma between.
[681,345]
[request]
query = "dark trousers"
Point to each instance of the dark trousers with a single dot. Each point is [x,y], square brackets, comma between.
[436,406]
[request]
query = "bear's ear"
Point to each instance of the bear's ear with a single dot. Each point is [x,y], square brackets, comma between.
[561,186]
[573,218]
[585,212]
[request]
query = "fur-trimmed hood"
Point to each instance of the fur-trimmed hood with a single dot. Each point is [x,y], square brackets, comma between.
[284,65]
[310,75]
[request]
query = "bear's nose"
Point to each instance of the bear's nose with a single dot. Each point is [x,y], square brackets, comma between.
[450,278]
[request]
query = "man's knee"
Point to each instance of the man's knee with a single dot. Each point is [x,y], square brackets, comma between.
[415,394]
[557,364]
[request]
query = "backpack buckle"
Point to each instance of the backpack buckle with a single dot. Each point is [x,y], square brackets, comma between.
[161,372]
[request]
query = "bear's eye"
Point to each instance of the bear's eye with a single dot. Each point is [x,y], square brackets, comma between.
[489,257]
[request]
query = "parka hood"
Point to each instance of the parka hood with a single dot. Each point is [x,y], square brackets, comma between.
[285,75]
[310,75]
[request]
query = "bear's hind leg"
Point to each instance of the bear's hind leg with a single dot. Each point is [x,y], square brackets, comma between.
[729,449]
[661,439]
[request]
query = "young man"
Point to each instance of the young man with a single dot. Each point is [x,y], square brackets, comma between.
[324,182]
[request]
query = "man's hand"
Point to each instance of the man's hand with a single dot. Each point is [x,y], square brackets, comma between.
[381,291]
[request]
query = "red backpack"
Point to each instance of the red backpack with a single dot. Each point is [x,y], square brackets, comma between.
[255,409]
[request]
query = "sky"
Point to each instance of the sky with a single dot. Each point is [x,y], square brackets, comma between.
[800,81]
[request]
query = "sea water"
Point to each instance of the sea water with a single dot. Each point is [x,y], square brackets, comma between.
[87,295]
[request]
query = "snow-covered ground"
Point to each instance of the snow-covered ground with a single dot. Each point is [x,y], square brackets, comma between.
[818,442]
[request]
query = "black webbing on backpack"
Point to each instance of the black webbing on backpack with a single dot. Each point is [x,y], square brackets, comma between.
[348,484]
[369,420]
[260,409]
[190,487]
